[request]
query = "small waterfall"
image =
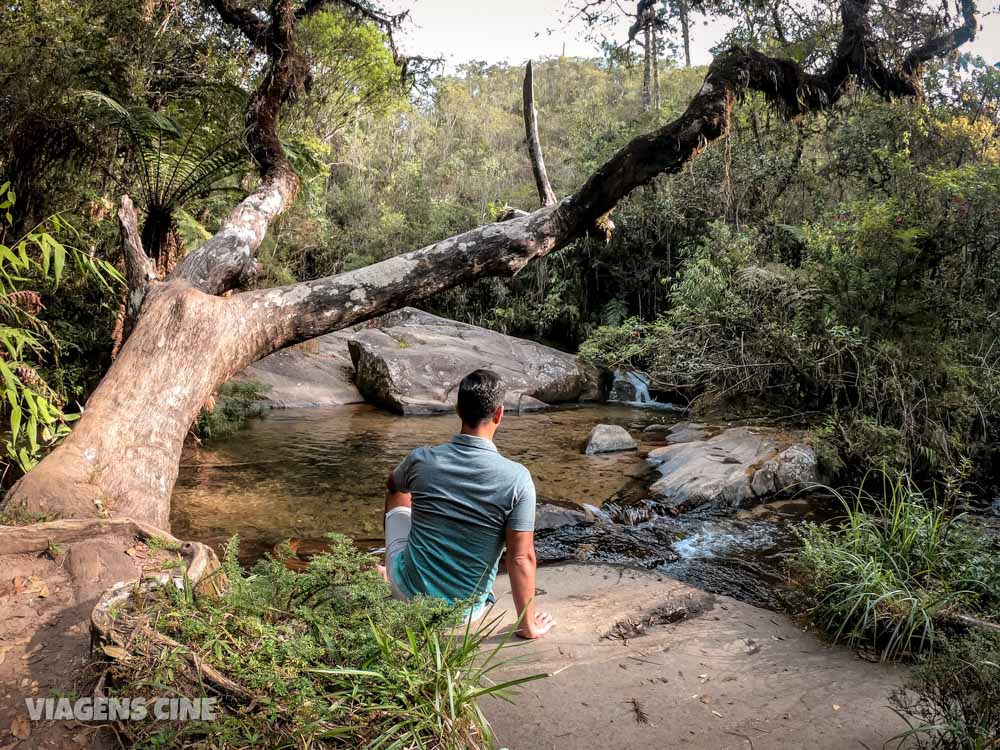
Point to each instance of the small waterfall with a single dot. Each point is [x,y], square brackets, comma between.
[632,388]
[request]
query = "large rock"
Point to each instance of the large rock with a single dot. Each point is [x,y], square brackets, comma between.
[737,468]
[412,363]
[316,373]
[609,438]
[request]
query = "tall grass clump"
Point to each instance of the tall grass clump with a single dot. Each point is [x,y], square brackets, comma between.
[952,699]
[897,566]
[320,659]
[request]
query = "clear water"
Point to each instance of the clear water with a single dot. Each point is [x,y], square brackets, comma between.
[306,472]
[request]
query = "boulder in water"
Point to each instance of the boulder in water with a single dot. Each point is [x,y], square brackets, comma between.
[737,468]
[609,438]
[681,432]
[412,362]
[549,516]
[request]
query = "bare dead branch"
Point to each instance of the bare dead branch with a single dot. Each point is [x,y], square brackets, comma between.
[545,193]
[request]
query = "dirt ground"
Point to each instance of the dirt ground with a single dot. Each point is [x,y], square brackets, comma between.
[727,676]
[48,590]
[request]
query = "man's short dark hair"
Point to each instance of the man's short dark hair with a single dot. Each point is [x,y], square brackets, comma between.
[479,395]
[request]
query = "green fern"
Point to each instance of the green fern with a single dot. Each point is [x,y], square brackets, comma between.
[172,168]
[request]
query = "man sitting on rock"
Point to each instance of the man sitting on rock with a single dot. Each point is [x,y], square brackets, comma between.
[451,509]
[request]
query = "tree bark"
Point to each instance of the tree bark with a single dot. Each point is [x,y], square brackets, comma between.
[654,38]
[683,12]
[122,458]
[647,67]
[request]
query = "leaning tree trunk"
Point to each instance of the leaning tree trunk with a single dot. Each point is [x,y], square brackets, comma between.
[122,458]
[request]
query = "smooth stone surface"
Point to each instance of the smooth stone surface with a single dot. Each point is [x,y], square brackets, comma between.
[412,362]
[609,438]
[739,467]
[681,432]
[317,373]
[686,432]
[549,516]
[726,676]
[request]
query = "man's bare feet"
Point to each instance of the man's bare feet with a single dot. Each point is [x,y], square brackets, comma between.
[382,572]
[543,624]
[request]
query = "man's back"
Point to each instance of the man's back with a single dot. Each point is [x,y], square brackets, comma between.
[465,495]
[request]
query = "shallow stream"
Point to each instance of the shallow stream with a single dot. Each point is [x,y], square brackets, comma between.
[306,472]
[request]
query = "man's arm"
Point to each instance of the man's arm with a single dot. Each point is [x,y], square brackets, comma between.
[395,496]
[521,569]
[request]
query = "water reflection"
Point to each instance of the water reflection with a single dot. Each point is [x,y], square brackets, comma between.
[304,472]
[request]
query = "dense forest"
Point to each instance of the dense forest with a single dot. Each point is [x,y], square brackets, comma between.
[803,233]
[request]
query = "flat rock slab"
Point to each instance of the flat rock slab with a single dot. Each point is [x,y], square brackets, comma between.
[737,468]
[318,373]
[412,363]
[609,438]
[726,676]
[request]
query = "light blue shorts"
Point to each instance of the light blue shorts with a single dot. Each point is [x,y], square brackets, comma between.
[397,534]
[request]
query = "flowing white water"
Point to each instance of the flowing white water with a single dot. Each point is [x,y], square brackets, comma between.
[635,384]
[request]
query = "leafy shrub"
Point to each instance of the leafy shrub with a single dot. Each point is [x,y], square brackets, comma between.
[952,701]
[234,403]
[872,325]
[330,659]
[894,569]
[36,260]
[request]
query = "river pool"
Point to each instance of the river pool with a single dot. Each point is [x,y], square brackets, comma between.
[306,472]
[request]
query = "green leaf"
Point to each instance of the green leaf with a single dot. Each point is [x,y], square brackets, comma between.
[59,260]
[15,422]
[31,430]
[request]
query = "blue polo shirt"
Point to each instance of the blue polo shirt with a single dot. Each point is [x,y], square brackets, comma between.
[465,495]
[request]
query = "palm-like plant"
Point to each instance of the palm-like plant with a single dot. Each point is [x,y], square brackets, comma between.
[168,169]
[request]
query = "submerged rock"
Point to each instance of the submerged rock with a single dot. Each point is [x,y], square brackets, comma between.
[737,468]
[681,432]
[609,438]
[412,362]
[314,374]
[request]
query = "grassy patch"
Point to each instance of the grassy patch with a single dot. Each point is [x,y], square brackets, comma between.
[897,566]
[317,659]
[13,515]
